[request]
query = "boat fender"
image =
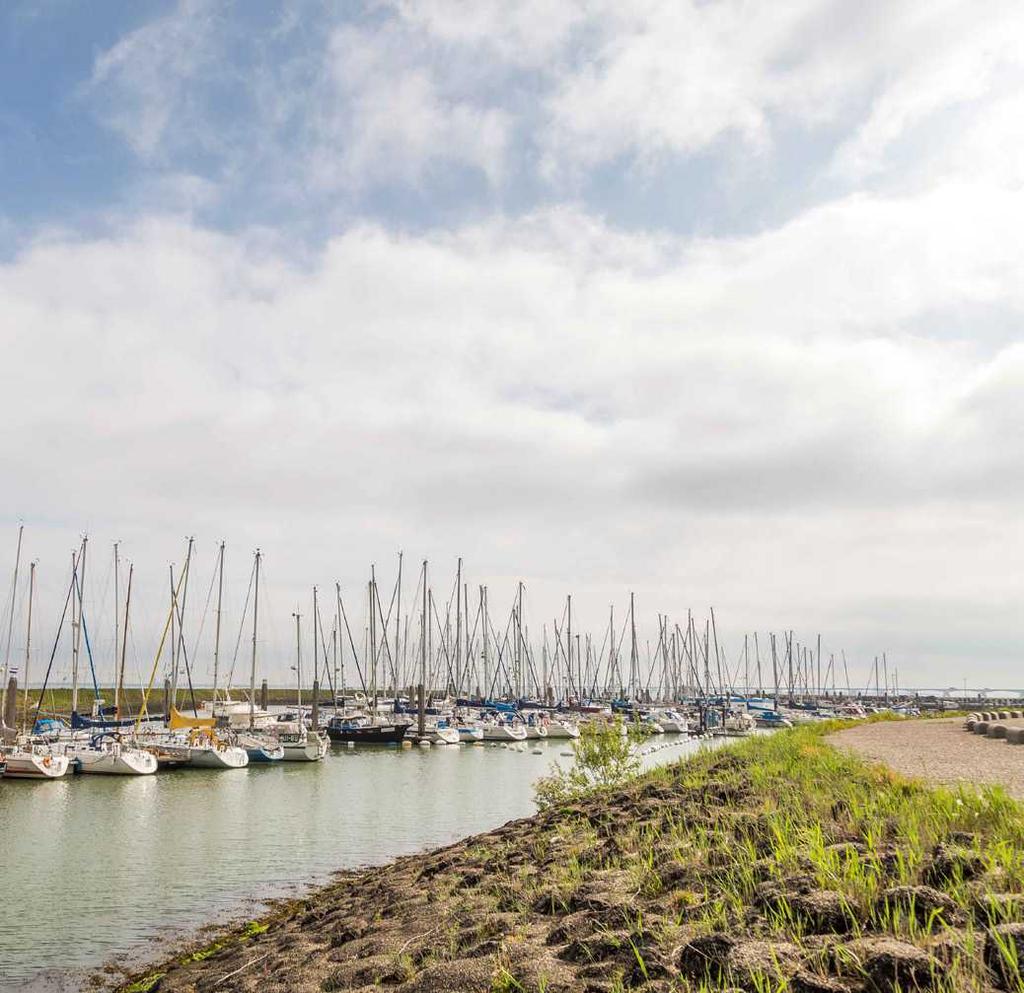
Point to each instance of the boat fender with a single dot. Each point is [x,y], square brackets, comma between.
[47,761]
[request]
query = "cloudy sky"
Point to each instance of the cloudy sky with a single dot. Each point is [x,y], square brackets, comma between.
[717,301]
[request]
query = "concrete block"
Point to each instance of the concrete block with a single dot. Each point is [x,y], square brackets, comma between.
[996,731]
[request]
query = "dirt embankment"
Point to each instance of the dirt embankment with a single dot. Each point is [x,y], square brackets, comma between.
[780,865]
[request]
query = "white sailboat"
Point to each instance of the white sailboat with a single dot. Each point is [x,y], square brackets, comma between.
[208,751]
[302,744]
[112,758]
[562,729]
[34,762]
[501,731]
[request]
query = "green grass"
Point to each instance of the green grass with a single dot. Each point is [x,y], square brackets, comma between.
[737,842]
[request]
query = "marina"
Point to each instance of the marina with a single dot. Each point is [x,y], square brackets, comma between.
[120,864]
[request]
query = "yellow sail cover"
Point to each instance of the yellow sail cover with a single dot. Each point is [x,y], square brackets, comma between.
[179,720]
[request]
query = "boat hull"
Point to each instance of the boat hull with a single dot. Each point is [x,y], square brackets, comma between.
[442,736]
[504,732]
[374,734]
[32,765]
[560,729]
[123,762]
[313,749]
[218,758]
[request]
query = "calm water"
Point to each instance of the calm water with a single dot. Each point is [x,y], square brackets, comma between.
[93,866]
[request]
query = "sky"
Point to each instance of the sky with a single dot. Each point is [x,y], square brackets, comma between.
[711,301]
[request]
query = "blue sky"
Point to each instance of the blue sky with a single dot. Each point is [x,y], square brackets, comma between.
[713,301]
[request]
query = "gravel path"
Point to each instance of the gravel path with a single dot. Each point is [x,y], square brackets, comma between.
[939,750]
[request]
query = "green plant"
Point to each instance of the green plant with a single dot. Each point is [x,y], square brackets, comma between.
[604,757]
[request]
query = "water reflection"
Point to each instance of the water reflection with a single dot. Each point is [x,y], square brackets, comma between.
[93,866]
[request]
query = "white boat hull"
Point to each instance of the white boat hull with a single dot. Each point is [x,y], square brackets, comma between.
[114,762]
[562,729]
[35,765]
[534,732]
[471,734]
[443,736]
[312,749]
[504,732]
[230,757]
[670,726]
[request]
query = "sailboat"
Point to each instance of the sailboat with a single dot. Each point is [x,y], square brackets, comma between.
[34,762]
[302,744]
[108,754]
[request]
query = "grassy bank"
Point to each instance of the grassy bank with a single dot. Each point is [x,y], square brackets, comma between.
[775,865]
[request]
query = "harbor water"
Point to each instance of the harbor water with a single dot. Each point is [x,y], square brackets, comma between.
[95,867]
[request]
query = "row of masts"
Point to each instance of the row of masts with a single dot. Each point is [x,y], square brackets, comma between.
[455,644]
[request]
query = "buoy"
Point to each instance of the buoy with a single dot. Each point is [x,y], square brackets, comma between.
[538,751]
[405,744]
[351,744]
[424,743]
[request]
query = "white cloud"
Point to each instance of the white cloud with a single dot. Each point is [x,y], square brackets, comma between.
[145,84]
[814,423]
[545,396]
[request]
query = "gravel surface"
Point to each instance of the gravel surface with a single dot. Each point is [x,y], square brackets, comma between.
[941,751]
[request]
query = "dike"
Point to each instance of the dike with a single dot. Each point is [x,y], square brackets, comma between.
[778,864]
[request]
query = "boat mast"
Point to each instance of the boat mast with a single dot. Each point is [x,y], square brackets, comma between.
[119,687]
[117,605]
[487,673]
[216,634]
[76,622]
[398,668]
[252,671]
[373,640]
[316,652]
[423,646]
[28,638]
[174,646]
[568,646]
[633,659]
[458,629]
[10,622]
[298,663]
